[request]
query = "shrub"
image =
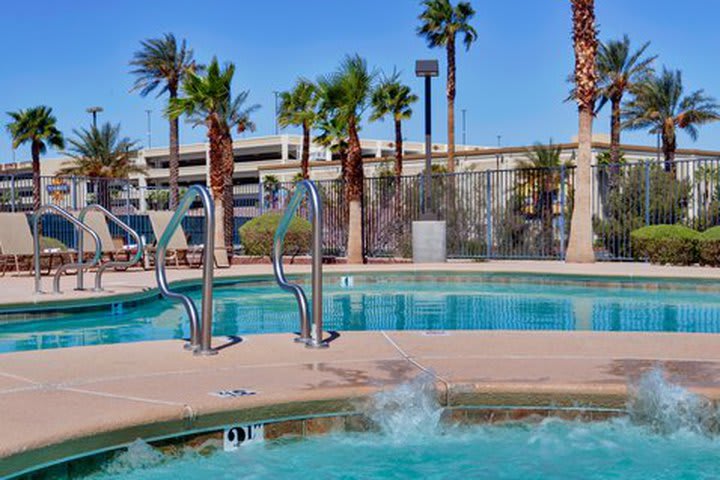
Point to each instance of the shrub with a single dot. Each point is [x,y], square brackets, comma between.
[257,235]
[50,242]
[709,247]
[666,244]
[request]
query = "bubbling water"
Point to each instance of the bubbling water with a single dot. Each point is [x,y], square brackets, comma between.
[410,410]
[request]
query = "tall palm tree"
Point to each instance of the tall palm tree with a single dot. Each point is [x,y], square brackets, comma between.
[334,136]
[298,107]
[441,21]
[392,97]
[205,102]
[659,104]
[38,127]
[162,63]
[102,154]
[236,116]
[580,245]
[348,92]
[619,70]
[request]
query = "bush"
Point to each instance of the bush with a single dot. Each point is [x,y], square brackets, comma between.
[709,247]
[666,244]
[49,242]
[257,235]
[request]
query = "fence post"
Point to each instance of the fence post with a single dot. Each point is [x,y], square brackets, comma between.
[647,192]
[261,196]
[74,192]
[12,193]
[562,212]
[488,214]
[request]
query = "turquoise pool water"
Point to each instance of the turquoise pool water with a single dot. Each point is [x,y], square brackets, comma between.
[395,302]
[663,436]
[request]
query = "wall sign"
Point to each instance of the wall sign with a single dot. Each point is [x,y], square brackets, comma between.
[235,437]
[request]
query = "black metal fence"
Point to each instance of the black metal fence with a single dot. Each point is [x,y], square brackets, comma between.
[521,213]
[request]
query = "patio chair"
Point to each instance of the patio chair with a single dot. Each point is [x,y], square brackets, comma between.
[178,249]
[16,244]
[113,250]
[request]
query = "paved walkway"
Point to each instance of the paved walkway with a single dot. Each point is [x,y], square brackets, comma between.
[57,403]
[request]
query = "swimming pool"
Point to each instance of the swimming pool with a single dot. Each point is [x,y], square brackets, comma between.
[427,301]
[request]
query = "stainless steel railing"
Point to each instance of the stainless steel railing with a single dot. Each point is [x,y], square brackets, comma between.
[67,266]
[122,264]
[312,337]
[200,329]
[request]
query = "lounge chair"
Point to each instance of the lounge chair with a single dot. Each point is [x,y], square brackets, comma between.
[16,244]
[109,247]
[177,249]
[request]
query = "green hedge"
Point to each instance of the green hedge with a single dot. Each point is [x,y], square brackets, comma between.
[50,242]
[709,247]
[257,235]
[666,244]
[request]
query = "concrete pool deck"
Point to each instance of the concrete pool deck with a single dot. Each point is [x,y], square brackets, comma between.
[56,404]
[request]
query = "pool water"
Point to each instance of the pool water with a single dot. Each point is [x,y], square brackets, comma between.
[660,438]
[394,302]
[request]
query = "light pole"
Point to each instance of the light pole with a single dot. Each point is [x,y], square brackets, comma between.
[464,137]
[94,111]
[276,93]
[427,69]
[149,128]
[498,157]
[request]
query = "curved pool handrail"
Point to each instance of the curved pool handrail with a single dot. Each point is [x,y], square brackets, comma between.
[80,265]
[200,329]
[126,264]
[310,338]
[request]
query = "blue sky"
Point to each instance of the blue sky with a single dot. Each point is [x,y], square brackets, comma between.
[74,54]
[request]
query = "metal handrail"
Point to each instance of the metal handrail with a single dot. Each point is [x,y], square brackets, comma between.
[126,264]
[200,332]
[310,338]
[62,268]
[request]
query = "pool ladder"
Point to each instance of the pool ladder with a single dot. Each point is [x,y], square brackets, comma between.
[311,336]
[80,227]
[200,328]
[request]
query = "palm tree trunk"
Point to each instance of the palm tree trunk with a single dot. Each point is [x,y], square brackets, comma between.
[580,247]
[305,160]
[354,193]
[37,188]
[615,129]
[228,197]
[669,145]
[451,104]
[398,148]
[217,186]
[174,172]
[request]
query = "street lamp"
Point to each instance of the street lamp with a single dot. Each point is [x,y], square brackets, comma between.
[276,93]
[94,111]
[427,69]
[149,128]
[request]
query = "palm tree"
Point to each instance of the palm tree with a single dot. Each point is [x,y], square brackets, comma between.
[619,70]
[36,126]
[236,116]
[348,92]
[659,104]
[298,107]
[205,102]
[540,177]
[163,64]
[333,135]
[101,153]
[580,248]
[391,97]
[441,22]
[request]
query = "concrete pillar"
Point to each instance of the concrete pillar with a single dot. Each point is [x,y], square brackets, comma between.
[285,149]
[378,149]
[142,187]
